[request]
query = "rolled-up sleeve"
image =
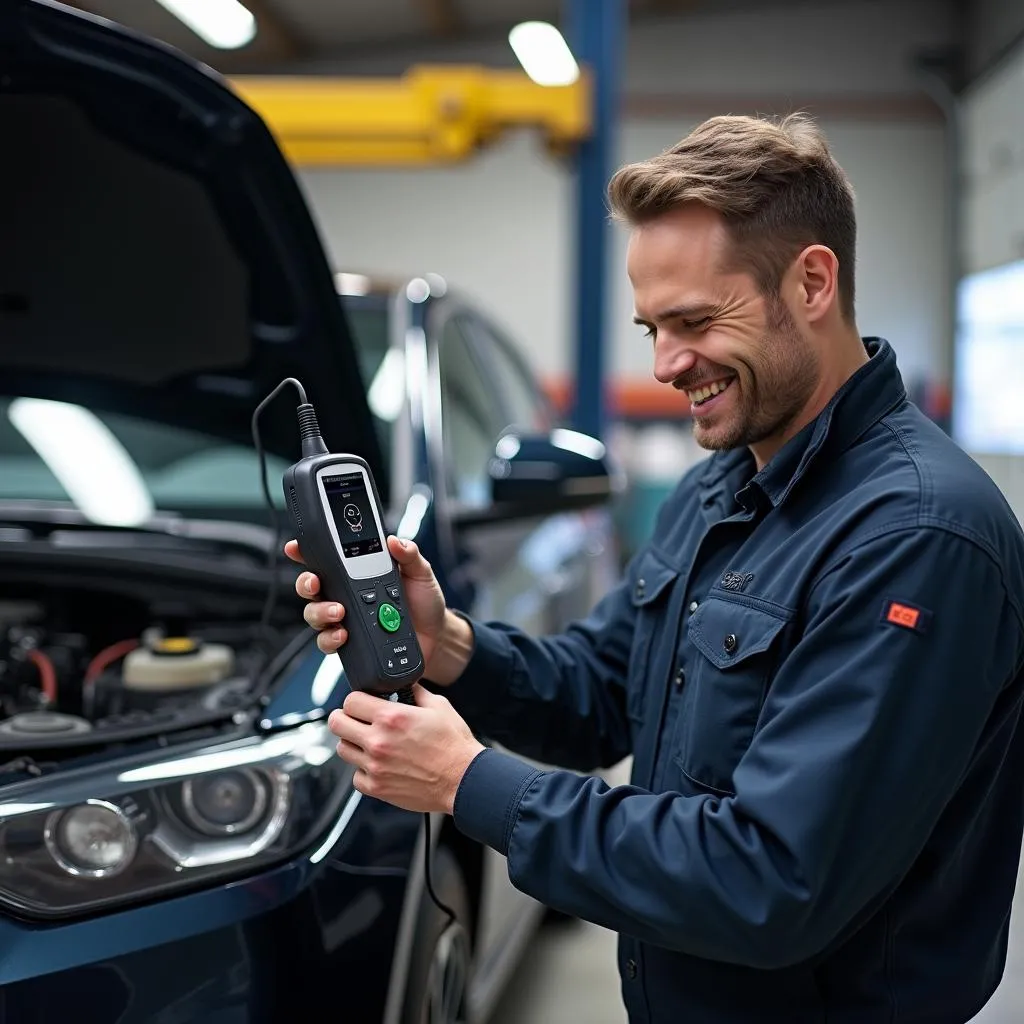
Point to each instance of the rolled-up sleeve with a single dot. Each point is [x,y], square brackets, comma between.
[871,722]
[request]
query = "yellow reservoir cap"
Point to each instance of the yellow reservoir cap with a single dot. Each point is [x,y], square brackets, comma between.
[175,645]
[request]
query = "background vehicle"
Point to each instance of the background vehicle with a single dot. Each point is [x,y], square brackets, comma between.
[180,843]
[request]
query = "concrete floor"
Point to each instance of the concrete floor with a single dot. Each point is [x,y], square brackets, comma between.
[570,975]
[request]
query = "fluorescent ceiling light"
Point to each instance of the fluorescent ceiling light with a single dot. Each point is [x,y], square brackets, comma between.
[544,54]
[92,466]
[225,24]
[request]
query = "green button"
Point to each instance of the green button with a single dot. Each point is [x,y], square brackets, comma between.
[389,617]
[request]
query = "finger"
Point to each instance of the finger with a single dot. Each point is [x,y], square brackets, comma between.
[307,585]
[291,549]
[330,640]
[410,558]
[363,706]
[362,781]
[323,614]
[424,698]
[350,752]
[347,728]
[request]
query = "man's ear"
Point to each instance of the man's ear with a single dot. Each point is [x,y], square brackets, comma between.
[817,279]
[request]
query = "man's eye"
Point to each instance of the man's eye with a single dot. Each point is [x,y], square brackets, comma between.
[650,332]
[697,325]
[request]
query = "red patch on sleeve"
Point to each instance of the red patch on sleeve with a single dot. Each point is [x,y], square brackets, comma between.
[908,616]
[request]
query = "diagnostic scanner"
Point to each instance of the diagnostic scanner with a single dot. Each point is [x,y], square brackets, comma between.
[336,513]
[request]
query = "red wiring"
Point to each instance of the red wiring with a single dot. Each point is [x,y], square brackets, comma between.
[107,657]
[47,674]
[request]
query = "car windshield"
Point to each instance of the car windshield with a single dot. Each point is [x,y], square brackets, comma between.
[118,469]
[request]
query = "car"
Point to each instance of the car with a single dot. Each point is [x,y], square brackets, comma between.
[180,841]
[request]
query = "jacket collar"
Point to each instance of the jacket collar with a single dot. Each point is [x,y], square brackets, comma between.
[872,392]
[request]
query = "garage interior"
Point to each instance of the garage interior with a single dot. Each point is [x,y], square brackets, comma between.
[425,149]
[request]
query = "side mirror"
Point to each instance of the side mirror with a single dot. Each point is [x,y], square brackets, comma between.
[540,474]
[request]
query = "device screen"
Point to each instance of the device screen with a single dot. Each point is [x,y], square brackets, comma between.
[352,509]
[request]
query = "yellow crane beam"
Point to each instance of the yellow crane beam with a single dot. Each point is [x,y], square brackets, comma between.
[433,114]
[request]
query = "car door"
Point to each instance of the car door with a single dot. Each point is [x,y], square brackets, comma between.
[530,570]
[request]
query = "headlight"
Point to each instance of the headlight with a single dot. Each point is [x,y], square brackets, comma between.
[85,840]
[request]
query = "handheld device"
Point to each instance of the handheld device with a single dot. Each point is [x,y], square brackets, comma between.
[336,513]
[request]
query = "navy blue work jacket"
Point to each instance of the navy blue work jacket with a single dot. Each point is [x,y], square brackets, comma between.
[818,671]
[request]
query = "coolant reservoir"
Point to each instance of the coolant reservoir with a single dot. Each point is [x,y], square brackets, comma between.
[176,663]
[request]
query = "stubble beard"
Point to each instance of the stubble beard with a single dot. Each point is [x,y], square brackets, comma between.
[768,401]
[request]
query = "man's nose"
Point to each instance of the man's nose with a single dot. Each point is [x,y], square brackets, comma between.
[672,361]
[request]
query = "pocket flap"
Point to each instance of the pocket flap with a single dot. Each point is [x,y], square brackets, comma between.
[651,579]
[726,633]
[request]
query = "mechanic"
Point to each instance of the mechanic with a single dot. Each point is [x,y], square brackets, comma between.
[816,661]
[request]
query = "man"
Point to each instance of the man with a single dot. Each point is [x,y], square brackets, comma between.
[816,662]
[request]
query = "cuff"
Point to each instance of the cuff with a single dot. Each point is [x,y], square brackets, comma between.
[488,797]
[485,679]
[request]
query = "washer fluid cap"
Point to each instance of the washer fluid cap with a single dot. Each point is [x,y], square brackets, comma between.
[175,645]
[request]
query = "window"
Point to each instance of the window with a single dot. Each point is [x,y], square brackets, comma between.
[471,418]
[523,399]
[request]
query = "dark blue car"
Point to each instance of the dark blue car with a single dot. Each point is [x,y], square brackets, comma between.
[178,840]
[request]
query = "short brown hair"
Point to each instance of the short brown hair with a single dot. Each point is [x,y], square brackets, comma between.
[776,184]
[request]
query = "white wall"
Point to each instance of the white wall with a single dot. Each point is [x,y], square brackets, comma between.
[500,227]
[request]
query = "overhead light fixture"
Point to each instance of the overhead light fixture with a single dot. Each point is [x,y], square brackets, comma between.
[544,53]
[226,24]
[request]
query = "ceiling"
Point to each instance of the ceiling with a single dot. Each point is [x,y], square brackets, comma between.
[293,33]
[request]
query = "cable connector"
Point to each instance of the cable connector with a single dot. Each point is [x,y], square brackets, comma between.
[309,431]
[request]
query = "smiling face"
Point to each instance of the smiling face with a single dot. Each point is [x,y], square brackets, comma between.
[742,361]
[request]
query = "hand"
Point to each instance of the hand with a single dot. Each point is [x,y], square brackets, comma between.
[412,757]
[422,594]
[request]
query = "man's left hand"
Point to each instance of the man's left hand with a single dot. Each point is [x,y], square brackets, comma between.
[412,757]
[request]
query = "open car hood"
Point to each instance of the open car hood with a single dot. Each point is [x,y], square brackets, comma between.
[157,257]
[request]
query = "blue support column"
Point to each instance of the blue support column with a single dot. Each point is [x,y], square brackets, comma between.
[596,34]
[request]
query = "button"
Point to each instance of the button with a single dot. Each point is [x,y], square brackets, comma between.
[394,592]
[680,678]
[693,607]
[399,657]
[730,643]
[389,617]
[631,969]
[369,596]
[641,585]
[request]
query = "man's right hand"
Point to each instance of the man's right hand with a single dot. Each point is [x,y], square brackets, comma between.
[444,638]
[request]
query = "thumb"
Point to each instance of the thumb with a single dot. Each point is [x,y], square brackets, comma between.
[425,699]
[410,558]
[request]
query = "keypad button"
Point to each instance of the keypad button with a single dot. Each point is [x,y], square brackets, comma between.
[389,617]
[369,596]
[394,592]
[399,657]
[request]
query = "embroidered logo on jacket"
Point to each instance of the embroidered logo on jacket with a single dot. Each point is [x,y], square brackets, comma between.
[736,580]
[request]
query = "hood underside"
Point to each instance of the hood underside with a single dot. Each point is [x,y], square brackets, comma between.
[157,256]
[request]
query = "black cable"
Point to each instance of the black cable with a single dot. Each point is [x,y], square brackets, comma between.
[310,437]
[426,873]
[275,523]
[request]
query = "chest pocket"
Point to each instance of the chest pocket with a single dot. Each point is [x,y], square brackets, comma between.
[650,596]
[734,652]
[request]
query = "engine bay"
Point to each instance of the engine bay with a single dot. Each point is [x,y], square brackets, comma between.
[92,664]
